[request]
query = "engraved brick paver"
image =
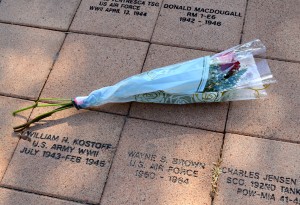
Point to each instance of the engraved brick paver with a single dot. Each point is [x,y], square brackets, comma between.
[8,197]
[276,23]
[162,164]
[259,171]
[214,25]
[211,116]
[54,14]
[138,153]
[8,139]
[117,18]
[26,57]
[69,156]
[87,63]
[277,116]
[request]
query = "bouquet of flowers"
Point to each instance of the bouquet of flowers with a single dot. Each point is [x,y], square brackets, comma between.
[234,74]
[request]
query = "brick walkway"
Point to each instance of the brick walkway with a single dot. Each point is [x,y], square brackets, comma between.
[146,153]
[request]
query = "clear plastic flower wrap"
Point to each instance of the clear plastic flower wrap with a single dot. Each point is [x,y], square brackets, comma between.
[233,74]
[238,73]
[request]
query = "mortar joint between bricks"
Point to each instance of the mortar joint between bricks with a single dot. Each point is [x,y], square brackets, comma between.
[216,172]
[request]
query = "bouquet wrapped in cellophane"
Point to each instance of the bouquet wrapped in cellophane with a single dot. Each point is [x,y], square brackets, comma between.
[234,74]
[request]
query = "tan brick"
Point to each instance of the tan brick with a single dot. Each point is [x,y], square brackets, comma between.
[275,117]
[88,63]
[150,158]
[52,162]
[8,139]
[12,197]
[116,19]
[258,171]
[195,24]
[53,14]
[210,116]
[26,57]
[276,23]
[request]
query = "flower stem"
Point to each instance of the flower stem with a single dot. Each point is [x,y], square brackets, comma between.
[25,108]
[42,116]
[38,105]
[52,102]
